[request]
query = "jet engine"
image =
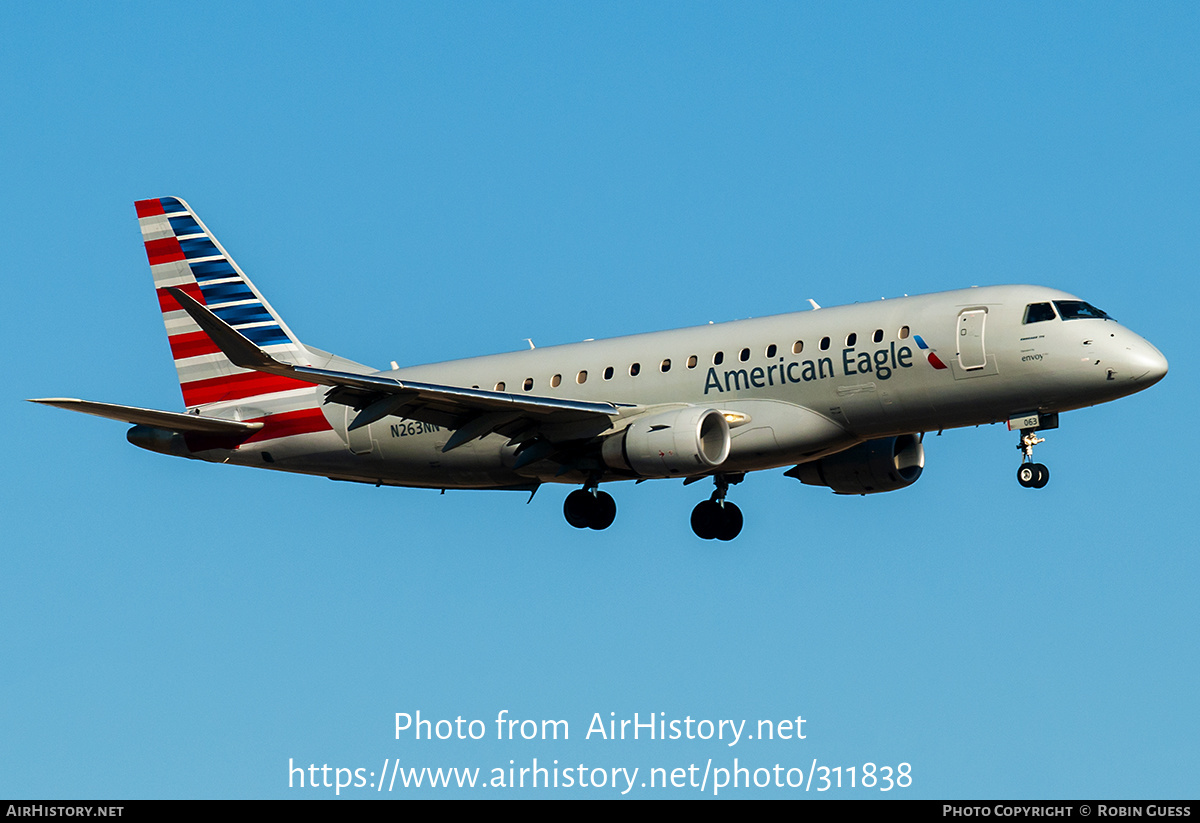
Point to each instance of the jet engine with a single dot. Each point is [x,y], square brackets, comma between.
[685,441]
[882,465]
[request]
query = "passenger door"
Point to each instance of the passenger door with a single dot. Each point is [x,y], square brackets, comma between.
[971,353]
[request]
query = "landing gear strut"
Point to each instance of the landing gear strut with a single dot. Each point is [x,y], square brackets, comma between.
[590,508]
[1029,474]
[717,517]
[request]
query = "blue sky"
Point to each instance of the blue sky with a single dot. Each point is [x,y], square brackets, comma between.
[420,182]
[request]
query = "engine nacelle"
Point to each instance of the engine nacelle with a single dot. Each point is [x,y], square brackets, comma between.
[882,465]
[672,444]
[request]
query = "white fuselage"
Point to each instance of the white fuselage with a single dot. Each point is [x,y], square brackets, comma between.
[796,386]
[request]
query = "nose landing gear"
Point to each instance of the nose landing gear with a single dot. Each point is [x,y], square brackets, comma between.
[1029,474]
[717,518]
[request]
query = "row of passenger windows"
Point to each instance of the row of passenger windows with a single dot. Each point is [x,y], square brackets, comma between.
[718,358]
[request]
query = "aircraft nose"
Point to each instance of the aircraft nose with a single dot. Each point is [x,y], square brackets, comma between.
[1147,363]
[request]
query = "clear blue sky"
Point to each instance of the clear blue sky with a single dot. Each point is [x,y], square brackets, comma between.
[420,182]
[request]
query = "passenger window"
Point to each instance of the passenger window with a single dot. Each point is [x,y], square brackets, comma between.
[718,358]
[851,339]
[666,366]
[500,386]
[528,383]
[608,373]
[824,344]
[555,380]
[745,355]
[798,347]
[692,361]
[1037,312]
[771,350]
[634,369]
[903,333]
[878,336]
[581,378]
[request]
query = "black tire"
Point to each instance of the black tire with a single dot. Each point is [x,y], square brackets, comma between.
[705,518]
[604,511]
[1027,474]
[577,508]
[730,524]
[1043,476]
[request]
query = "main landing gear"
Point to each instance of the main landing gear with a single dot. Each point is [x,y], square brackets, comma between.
[1029,474]
[590,508]
[717,518]
[713,519]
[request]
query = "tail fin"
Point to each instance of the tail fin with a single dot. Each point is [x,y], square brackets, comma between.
[183,253]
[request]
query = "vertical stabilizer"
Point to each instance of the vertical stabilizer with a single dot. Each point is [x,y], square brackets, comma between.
[185,254]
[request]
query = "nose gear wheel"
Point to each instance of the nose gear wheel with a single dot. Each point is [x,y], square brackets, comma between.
[1033,475]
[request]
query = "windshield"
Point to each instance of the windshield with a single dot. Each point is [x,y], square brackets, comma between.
[1038,312]
[1079,310]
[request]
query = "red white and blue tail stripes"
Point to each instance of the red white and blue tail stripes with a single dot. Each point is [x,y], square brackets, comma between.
[183,253]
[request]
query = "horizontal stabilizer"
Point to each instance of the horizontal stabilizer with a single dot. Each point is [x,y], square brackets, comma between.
[168,421]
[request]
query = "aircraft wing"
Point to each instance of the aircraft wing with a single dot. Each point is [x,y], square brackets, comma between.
[472,412]
[170,421]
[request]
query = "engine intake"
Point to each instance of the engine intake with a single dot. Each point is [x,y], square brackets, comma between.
[686,441]
[882,465]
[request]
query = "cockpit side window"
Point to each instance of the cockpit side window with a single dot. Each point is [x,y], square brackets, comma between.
[1078,310]
[1037,312]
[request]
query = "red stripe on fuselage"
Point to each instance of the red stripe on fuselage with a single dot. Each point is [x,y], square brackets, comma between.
[165,250]
[148,208]
[236,387]
[303,421]
[168,303]
[285,424]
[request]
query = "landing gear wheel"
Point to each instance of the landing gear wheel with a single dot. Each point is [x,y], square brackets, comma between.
[731,522]
[604,511]
[717,518]
[712,520]
[590,510]
[1033,475]
[705,519]
[577,508]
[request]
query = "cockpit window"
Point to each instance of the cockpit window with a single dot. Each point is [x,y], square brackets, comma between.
[1037,312]
[1078,310]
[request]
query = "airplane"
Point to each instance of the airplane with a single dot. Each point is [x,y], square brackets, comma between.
[841,395]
